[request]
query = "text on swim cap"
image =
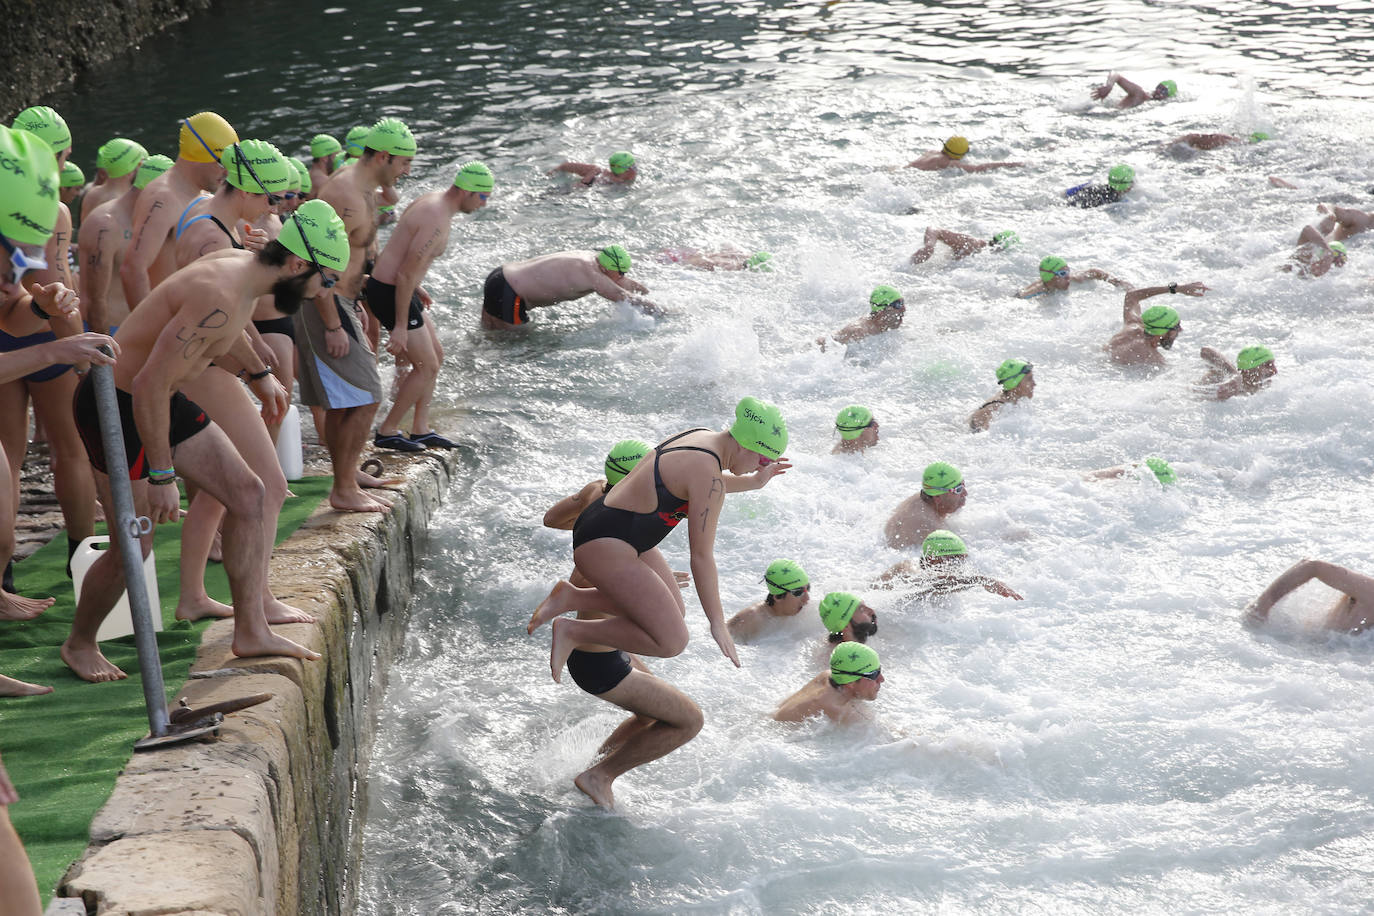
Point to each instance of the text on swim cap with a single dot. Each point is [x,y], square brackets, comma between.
[10,164]
[24,220]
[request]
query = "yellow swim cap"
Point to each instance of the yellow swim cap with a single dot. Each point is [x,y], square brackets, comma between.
[204,137]
[956,147]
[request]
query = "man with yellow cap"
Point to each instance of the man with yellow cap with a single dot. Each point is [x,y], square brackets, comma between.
[950,156]
[116,165]
[151,256]
[854,676]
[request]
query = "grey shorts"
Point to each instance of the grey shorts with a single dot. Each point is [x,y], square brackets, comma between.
[348,381]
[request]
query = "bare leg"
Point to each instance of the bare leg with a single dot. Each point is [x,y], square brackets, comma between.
[13,607]
[18,888]
[14,435]
[103,585]
[345,432]
[73,482]
[11,687]
[197,535]
[564,597]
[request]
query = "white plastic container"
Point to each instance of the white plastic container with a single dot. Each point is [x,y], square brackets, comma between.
[120,622]
[289,453]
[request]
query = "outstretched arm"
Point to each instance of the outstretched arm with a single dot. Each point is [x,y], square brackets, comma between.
[1130,311]
[1094,273]
[987,166]
[1213,356]
[1358,586]
[584,170]
[758,479]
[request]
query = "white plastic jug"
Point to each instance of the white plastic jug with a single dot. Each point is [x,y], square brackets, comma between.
[289,453]
[120,622]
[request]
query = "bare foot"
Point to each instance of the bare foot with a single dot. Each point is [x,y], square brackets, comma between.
[17,607]
[9,687]
[200,608]
[271,644]
[279,612]
[562,648]
[356,501]
[89,665]
[556,602]
[596,788]
[216,554]
[375,483]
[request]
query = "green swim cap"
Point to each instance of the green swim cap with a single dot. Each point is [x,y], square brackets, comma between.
[760,428]
[943,543]
[355,140]
[1163,472]
[1169,86]
[783,576]
[1259,135]
[1254,357]
[323,145]
[884,297]
[256,166]
[1121,177]
[474,176]
[759,261]
[1159,320]
[851,661]
[622,162]
[293,177]
[837,609]
[1012,372]
[1050,266]
[622,458]
[390,135]
[119,157]
[47,124]
[152,167]
[72,176]
[1338,249]
[303,171]
[614,258]
[852,421]
[28,188]
[940,477]
[316,227]
[1006,239]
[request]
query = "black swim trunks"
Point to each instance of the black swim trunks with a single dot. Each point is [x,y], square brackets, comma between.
[500,301]
[598,672]
[186,419]
[381,299]
[276,326]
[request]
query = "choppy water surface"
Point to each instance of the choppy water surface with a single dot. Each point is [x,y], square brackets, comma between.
[1114,742]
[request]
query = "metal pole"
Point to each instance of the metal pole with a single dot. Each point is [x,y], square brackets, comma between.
[127,528]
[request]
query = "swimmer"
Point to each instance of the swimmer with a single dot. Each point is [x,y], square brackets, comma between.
[1144,334]
[942,494]
[622,170]
[70,184]
[716,260]
[1017,378]
[854,677]
[1055,277]
[1135,95]
[1253,369]
[1315,255]
[1341,223]
[108,233]
[789,589]
[962,245]
[886,309]
[949,156]
[116,167]
[846,619]
[1120,180]
[1207,142]
[514,288]
[1353,611]
[1163,471]
[296,191]
[323,150]
[858,430]
[258,174]
[944,568]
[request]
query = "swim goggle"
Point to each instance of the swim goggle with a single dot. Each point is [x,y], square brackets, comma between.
[325,282]
[898,305]
[794,592]
[1061,272]
[871,675]
[958,489]
[22,263]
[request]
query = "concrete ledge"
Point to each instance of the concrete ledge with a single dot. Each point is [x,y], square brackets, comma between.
[266,819]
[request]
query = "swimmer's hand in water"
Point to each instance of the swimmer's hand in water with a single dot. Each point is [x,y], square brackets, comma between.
[721,633]
[647,307]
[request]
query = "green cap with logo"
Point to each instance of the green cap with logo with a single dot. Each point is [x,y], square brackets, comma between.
[852,660]
[390,135]
[884,297]
[622,162]
[1163,472]
[783,576]
[759,427]
[1051,266]
[1159,320]
[322,145]
[303,171]
[119,157]
[1012,372]
[72,176]
[1005,239]
[614,258]
[759,260]
[837,609]
[940,477]
[1121,177]
[476,177]
[28,188]
[256,166]
[152,167]
[943,543]
[316,228]
[1254,357]
[852,421]
[622,458]
[47,124]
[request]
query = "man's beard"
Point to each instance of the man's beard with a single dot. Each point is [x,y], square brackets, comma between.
[288,292]
[864,630]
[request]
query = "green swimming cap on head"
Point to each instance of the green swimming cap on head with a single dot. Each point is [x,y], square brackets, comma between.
[956,147]
[1170,87]
[152,167]
[1258,136]
[622,458]
[614,258]
[1338,249]
[28,188]
[622,162]
[1254,357]
[474,176]
[1012,372]
[940,477]
[759,427]
[293,177]
[1159,320]
[390,135]
[783,576]
[1163,472]
[852,421]
[1051,266]
[759,261]
[323,145]
[883,297]
[119,157]
[72,176]
[256,166]
[1121,177]
[303,171]
[943,543]
[355,140]
[323,234]
[1006,239]
[47,124]
[837,609]
[852,660]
